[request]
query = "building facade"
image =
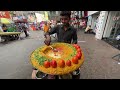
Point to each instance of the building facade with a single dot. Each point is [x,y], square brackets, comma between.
[112,28]
[108,23]
[54,15]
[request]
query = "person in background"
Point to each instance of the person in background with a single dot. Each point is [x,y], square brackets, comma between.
[46,27]
[88,29]
[4,27]
[25,29]
[17,26]
[1,30]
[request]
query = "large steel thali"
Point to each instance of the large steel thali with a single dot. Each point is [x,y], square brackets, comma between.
[64,53]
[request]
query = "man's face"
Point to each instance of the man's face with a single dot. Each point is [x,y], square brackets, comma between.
[65,20]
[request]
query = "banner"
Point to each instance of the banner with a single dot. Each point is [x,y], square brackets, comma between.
[31,18]
[4,14]
[39,17]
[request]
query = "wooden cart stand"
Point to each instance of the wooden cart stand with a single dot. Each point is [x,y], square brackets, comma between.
[7,36]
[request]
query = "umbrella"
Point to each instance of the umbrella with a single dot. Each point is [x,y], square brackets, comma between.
[6,21]
[21,21]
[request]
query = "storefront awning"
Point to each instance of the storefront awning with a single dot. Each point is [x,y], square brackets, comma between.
[21,21]
[6,21]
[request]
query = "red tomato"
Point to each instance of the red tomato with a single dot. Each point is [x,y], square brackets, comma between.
[53,64]
[78,47]
[46,64]
[79,55]
[68,63]
[61,63]
[75,45]
[78,50]
[75,60]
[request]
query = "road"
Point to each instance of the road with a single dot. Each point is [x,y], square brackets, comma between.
[15,61]
[14,56]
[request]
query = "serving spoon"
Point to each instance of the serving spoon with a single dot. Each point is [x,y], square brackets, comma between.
[54,50]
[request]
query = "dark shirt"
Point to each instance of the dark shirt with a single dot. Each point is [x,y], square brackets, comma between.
[64,36]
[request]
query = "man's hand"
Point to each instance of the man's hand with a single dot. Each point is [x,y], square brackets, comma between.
[47,40]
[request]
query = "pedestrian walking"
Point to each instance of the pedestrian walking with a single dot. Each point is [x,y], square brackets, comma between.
[25,29]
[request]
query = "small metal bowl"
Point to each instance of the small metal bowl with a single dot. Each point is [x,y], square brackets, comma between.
[40,75]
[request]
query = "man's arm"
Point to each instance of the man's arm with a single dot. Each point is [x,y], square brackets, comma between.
[75,37]
[52,31]
[47,35]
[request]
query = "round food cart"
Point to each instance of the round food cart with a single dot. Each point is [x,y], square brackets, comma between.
[59,59]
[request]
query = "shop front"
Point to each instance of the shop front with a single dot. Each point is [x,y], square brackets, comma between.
[93,19]
[113,25]
[112,29]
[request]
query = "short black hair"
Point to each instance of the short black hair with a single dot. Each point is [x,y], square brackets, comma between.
[65,13]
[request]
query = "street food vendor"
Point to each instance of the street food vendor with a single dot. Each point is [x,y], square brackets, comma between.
[65,32]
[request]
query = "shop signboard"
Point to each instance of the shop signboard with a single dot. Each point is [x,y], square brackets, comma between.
[5,14]
[15,18]
[39,17]
[31,18]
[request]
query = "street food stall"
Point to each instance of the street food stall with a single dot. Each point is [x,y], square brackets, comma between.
[11,33]
[7,36]
[59,59]
[21,21]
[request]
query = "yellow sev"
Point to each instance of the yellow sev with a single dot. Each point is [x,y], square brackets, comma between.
[57,70]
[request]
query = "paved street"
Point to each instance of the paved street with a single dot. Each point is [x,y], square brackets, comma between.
[98,62]
[15,62]
[14,56]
